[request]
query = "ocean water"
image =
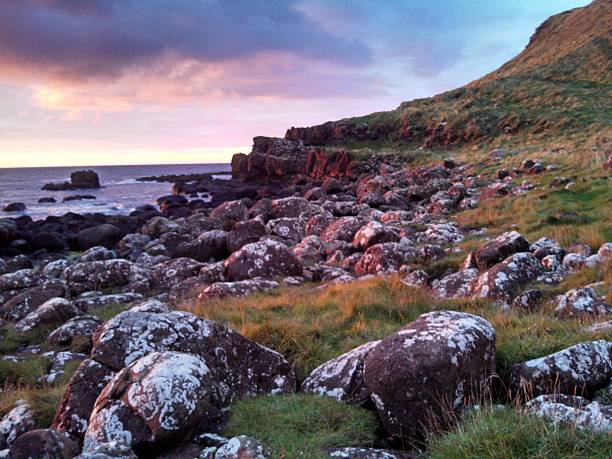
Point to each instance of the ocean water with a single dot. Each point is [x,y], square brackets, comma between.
[120,192]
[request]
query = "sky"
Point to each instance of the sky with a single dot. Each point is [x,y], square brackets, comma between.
[95,82]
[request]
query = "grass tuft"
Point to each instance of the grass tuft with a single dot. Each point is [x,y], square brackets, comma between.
[302,426]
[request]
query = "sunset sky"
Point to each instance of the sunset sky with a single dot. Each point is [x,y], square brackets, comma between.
[91,82]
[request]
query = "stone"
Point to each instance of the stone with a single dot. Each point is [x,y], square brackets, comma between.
[500,248]
[171,272]
[105,235]
[266,258]
[309,250]
[572,411]
[8,230]
[605,251]
[21,279]
[456,285]
[293,229]
[95,275]
[432,365]
[59,362]
[27,301]
[111,450]
[244,233]
[85,179]
[573,261]
[577,370]
[417,279]
[582,302]
[293,207]
[89,302]
[365,453]
[504,280]
[343,229]
[238,288]
[580,248]
[374,233]
[229,213]
[157,226]
[14,207]
[528,300]
[158,398]
[78,327]
[55,269]
[73,411]
[52,312]
[443,233]
[342,377]
[97,253]
[16,422]
[209,245]
[242,447]
[43,444]
[385,258]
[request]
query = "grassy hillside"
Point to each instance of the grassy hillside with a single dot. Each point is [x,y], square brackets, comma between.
[559,87]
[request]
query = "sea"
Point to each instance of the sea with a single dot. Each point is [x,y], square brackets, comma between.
[121,193]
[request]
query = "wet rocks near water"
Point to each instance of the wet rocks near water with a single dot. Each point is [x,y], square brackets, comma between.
[84,179]
[14,207]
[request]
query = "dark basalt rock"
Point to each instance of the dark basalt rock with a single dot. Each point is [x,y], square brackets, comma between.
[500,248]
[43,443]
[436,363]
[14,207]
[85,179]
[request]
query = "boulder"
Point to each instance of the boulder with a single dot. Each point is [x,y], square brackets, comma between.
[44,444]
[293,229]
[52,312]
[88,302]
[79,327]
[443,233]
[385,258]
[244,233]
[343,229]
[73,411]
[209,245]
[572,411]
[27,301]
[366,453]
[105,235]
[97,275]
[266,258]
[238,288]
[309,250]
[85,179]
[504,280]
[373,233]
[55,269]
[229,213]
[242,447]
[456,285]
[500,248]
[528,300]
[582,302]
[573,261]
[434,364]
[604,252]
[97,253]
[157,226]
[293,207]
[16,422]
[579,369]
[21,279]
[8,230]
[342,377]
[171,272]
[416,279]
[59,362]
[14,207]
[47,240]
[159,398]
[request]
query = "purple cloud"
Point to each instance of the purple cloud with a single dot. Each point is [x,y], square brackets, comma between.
[74,39]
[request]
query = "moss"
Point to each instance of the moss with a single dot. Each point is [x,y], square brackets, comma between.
[299,426]
[509,434]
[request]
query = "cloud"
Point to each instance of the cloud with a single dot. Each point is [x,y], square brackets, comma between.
[72,40]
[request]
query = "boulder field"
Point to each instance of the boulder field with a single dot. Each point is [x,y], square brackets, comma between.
[155,381]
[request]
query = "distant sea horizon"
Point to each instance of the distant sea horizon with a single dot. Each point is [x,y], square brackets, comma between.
[120,194]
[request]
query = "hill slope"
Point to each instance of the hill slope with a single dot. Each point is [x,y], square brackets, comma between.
[560,86]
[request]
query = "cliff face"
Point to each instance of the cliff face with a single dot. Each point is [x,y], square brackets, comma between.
[559,85]
[279,158]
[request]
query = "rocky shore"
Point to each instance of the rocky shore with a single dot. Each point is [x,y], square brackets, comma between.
[154,381]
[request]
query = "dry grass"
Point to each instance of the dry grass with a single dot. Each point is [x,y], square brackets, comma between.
[310,326]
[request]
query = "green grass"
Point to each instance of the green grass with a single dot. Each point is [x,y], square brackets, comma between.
[27,371]
[302,426]
[109,311]
[42,400]
[506,433]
